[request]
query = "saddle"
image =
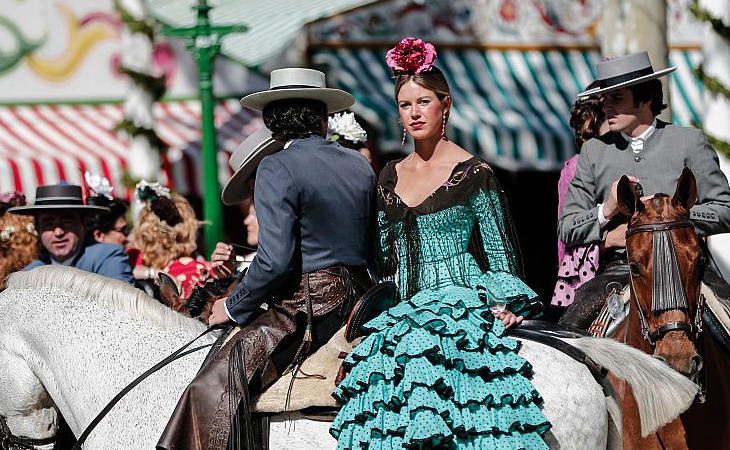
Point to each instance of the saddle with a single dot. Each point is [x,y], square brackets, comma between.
[311,392]
[716,315]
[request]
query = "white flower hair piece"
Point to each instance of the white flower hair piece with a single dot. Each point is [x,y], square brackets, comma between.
[7,231]
[156,187]
[99,185]
[343,125]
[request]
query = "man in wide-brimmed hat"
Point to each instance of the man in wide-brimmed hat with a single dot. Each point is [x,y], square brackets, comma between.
[652,153]
[244,161]
[315,207]
[60,211]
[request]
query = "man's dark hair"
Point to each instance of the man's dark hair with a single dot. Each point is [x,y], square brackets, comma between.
[105,222]
[294,118]
[650,90]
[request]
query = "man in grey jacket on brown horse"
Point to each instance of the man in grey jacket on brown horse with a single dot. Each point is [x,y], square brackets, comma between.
[653,154]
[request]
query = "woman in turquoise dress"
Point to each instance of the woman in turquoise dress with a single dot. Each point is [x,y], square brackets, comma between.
[437,370]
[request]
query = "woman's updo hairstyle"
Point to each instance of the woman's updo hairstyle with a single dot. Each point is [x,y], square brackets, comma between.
[586,117]
[412,60]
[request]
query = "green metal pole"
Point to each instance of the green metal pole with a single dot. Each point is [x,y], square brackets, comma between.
[204,42]
[207,49]
[212,210]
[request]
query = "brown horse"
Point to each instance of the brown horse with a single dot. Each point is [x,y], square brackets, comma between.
[666,264]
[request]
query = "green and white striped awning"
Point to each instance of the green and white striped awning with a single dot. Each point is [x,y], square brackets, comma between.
[510,106]
[272,25]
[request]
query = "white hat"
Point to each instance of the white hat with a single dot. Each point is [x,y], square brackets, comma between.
[301,83]
[624,71]
[245,160]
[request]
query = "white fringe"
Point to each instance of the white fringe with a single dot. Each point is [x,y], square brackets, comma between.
[117,295]
[661,393]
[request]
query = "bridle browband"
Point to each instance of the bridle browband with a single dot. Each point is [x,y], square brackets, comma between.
[691,329]
[662,226]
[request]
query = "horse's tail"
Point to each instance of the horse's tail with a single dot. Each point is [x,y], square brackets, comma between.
[661,392]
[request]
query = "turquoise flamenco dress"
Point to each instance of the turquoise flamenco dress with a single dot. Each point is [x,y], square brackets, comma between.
[437,370]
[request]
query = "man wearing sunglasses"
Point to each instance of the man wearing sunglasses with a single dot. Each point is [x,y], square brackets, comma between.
[61,220]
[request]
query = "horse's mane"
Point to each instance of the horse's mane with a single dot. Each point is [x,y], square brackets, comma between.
[117,295]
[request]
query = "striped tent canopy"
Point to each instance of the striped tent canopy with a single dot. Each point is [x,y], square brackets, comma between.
[273,25]
[44,144]
[511,106]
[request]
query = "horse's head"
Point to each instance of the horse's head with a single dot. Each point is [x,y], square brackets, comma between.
[665,261]
[28,416]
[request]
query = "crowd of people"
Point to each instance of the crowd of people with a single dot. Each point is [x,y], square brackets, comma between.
[436,369]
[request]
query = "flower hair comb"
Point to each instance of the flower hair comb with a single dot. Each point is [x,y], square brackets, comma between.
[98,185]
[159,200]
[411,56]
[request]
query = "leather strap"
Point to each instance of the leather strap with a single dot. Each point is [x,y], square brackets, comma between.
[598,371]
[177,354]
[9,441]
[669,327]
[664,226]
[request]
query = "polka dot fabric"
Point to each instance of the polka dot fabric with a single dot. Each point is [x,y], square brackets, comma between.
[437,371]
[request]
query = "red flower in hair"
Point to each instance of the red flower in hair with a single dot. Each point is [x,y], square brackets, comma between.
[411,56]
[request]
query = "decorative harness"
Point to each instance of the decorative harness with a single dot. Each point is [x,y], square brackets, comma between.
[667,292]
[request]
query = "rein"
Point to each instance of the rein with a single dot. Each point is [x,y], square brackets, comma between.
[691,329]
[9,441]
[177,354]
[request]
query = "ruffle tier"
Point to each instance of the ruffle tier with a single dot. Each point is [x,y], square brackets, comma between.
[438,370]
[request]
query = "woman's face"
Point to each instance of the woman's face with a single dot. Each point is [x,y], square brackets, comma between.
[117,235]
[252,227]
[420,111]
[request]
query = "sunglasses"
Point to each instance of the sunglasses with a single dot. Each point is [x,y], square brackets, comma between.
[125,230]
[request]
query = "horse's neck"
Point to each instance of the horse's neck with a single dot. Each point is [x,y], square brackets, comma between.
[83,354]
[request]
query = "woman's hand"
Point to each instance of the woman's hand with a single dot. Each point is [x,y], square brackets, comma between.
[509,319]
[223,259]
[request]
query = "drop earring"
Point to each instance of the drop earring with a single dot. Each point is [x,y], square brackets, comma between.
[443,126]
[403,141]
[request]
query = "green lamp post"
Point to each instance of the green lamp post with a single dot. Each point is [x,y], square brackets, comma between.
[204,42]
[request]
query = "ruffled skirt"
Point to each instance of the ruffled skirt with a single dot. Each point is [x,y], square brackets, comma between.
[438,372]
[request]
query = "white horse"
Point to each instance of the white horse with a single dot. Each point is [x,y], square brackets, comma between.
[70,340]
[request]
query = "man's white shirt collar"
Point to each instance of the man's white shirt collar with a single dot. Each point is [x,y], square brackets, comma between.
[637,143]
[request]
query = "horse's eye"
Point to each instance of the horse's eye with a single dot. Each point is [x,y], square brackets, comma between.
[634,268]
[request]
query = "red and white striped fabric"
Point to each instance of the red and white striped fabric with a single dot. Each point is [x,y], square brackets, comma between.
[44,144]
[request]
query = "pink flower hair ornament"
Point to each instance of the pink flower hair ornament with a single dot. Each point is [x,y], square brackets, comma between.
[411,56]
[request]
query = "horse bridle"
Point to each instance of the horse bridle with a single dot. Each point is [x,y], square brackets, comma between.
[691,329]
[10,441]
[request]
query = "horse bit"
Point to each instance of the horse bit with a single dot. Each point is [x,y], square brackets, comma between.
[659,304]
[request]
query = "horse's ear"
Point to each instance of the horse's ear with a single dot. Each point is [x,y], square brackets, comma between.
[686,193]
[626,196]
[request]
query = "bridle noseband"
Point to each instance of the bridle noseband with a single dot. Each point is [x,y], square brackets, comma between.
[691,329]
